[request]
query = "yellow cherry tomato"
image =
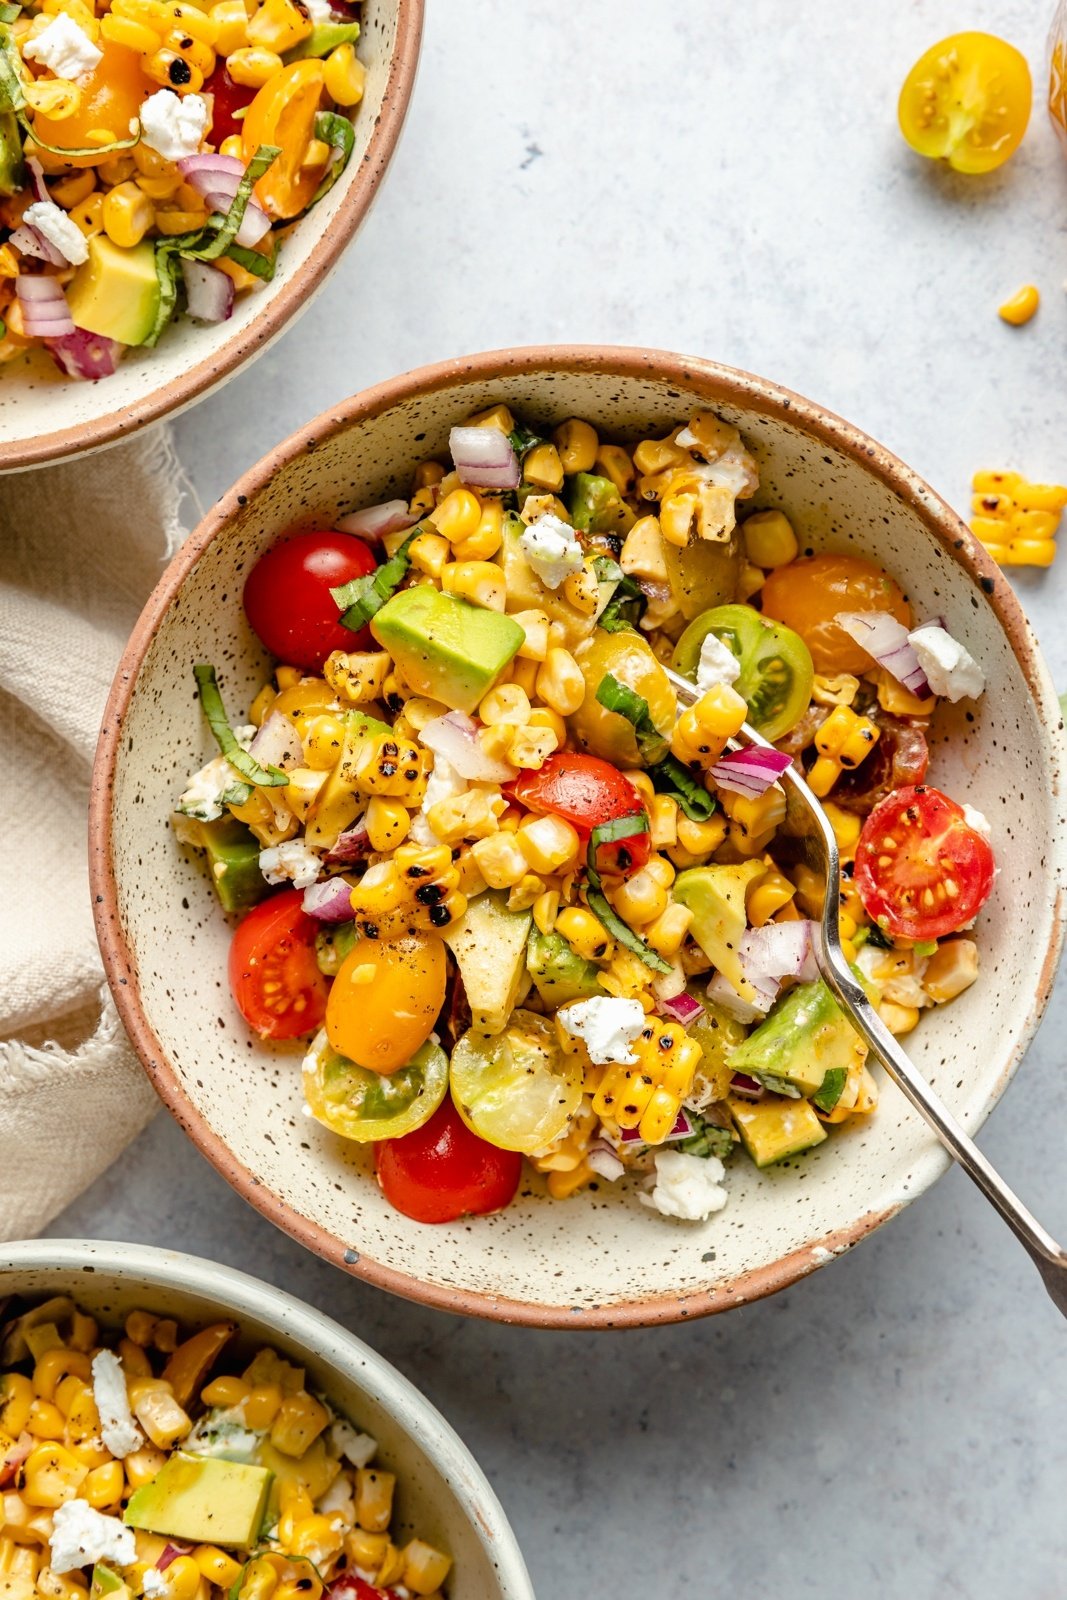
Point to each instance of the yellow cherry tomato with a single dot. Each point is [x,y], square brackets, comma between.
[807,595]
[283,113]
[111,97]
[967,101]
[385,1000]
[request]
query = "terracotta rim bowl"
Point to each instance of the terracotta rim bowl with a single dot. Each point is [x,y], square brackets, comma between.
[441,1490]
[599,1259]
[44,417]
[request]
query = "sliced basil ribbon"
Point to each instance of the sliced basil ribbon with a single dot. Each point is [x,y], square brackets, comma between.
[361,598]
[215,713]
[610,833]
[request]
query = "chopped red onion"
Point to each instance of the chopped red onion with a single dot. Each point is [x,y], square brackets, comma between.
[722,993]
[484,457]
[779,950]
[170,1553]
[82,354]
[30,241]
[40,188]
[741,1084]
[329,901]
[455,736]
[750,771]
[681,1130]
[210,292]
[604,1162]
[374,522]
[203,170]
[350,846]
[277,744]
[682,1007]
[886,639]
[45,313]
[13,1457]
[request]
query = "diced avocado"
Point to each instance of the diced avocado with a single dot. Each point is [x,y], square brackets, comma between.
[116,292]
[12,171]
[772,1129]
[717,1033]
[106,1582]
[233,856]
[339,802]
[489,944]
[332,944]
[323,38]
[559,975]
[807,1046]
[597,506]
[445,647]
[716,897]
[204,1500]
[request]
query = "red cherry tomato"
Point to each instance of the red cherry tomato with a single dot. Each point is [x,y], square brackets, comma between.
[288,600]
[227,97]
[350,1586]
[587,792]
[921,869]
[443,1171]
[275,979]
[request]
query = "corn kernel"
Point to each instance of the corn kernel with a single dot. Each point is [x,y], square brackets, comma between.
[577,444]
[457,516]
[549,843]
[1020,306]
[300,1420]
[425,1569]
[769,539]
[500,860]
[585,934]
[104,1487]
[542,467]
[374,1499]
[481,582]
[614,463]
[663,819]
[253,66]
[216,1566]
[560,683]
[344,75]
[642,554]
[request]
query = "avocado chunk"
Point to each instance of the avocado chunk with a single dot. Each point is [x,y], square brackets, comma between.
[598,507]
[445,647]
[105,1582]
[718,1034]
[116,292]
[716,897]
[772,1129]
[233,856]
[807,1046]
[559,975]
[489,944]
[204,1500]
[333,943]
[12,170]
[323,38]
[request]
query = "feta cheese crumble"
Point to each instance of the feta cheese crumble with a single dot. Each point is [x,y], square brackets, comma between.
[118,1429]
[291,860]
[203,795]
[319,10]
[977,820]
[64,48]
[444,783]
[223,1433]
[686,1187]
[358,1448]
[551,547]
[608,1026]
[174,125]
[951,670]
[154,1584]
[717,664]
[52,221]
[81,1537]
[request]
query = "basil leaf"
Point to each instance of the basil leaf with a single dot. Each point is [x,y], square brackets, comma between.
[339,134]
[626,606]
[238,794]
[609,833]
[217,721]
[361,598]
[607,569]
[253,261]
[618,697]
[221,231]
[707,1139]
[671,776]
[522,439]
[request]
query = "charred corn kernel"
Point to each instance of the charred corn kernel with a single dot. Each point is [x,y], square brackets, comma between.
[837,689]
[755,816]
[640,899]
[421,504]
[951,969]
[1012,489]
[585,934]
[45,1420]
[549,843]
[500,860]
[535,626]
[701,732]
[1020,306]
[1034,524]
[659,455]
[387,823]
[649,1095]
[105,1485]
[577,444]
[127,216]
[700,838]
[505,703]
[16,1401]
[300,1420]
[544,910]
[425,1569]
[846,828]
[582,590]
[374,1499]
[216,1566]
[539,505]
[481,582]
[141,1466]
[663,820]
[198,56]
[171,69]
[769,539]
[279,25]
[52,1474]
[416,889]
[383,763]
[560,683]
[260,1580]
[457,516]
[261,1407]
[253,66]
[844,740]
[898,1019]
[614,463]
[160,1415]
[359,676]
[57,1364]
[642,552]
[542,467]
[667,934]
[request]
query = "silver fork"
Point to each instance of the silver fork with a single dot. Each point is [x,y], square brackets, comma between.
[809,825]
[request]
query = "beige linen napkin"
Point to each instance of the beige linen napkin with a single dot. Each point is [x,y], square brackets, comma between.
[81,546]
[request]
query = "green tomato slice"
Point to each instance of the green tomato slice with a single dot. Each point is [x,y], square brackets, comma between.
[776,667]
[368,1106]
[517,1089]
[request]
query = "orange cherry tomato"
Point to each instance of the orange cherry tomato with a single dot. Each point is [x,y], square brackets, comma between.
[807,595]
[967,101]
[378,1019]
[111,98]
[283,114]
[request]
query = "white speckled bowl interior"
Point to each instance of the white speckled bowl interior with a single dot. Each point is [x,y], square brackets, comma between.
[45,417]
[442,1494]
[600,1258]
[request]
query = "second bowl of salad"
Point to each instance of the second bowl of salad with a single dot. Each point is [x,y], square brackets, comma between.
[488,966]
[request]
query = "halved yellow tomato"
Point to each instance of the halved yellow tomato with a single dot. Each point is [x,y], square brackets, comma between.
[385,1000]
[517,1089]
[967,101]
[111,97]
[283,113]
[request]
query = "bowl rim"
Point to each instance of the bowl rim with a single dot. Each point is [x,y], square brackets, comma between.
[330,1341]
[722,385]
[292,297]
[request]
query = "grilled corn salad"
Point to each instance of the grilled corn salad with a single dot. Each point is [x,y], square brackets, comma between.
[149,152]
[528,909]
[149,1464]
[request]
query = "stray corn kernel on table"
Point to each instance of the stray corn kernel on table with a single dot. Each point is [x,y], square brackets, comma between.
[822,257]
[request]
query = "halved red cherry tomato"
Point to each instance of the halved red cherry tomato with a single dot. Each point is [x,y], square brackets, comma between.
[921,869]
[443,1171]
[275,979]
[227,97]
[288,601]
[350,1586]
[587,792]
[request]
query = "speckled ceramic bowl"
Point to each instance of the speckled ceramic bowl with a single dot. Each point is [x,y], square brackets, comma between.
[442,1494]
[46,417]
[599,1259]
